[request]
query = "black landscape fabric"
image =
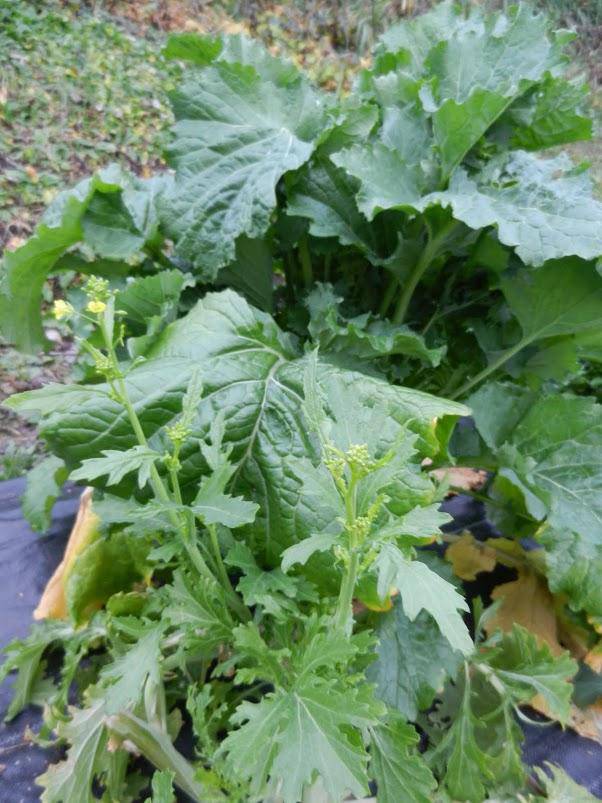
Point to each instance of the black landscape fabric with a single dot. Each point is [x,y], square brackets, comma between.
[27,560]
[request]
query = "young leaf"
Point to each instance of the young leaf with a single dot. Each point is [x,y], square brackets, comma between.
[162,787]
[560,787]
[400,772]
[364,337]
[273,590]
[73,778]
[420,588]
[44,483]
[200,609]
[25,657]
[123,680]
[527,668]
[115,465]
[469,769]
[300,553]
[150,303]
[213,506]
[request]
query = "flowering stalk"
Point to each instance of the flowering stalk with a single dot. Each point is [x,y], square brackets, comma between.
[101,303]
[347,469]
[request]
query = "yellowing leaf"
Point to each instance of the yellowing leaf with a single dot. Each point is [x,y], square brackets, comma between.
[526,602]
[469,557]
[53,604]
[594,658]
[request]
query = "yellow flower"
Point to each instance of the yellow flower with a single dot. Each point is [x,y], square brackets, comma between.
[62,309]
[96,306]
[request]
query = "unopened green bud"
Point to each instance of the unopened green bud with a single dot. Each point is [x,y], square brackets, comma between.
[97,290]
[177,433]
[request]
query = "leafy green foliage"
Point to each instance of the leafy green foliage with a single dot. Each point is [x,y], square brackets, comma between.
[73,778]
[271,333]
[43,487]
[548,450]
[246,124]
[400,773]
[423,589]
[414,659]
[482,748]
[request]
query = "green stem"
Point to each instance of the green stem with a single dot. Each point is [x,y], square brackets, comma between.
[185,525]
[344,612]
[430,252]
[241,609]
[388,296]
[305,259]
[157,484]
[289,275]
[327,263]
[158,749]
[343,619]
[490,369]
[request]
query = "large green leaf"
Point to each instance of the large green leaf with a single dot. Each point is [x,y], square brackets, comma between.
[106,566]
[307,731]
[251,273]
[573,566]
[325,194]
[550,449]
[556,449]
[111,211]
[416,37]
[235,136]
[541,207]
[551,114]
[559,309]
[564,297]
[479,71]
[253,374]
[414,659]
[387,181]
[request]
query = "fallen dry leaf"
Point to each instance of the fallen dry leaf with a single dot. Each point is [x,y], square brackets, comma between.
[469,557]
[594,658]
[467,479]
[526,601]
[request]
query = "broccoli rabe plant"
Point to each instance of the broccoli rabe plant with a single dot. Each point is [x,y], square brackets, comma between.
[278,340]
